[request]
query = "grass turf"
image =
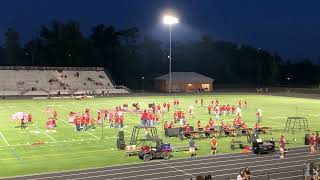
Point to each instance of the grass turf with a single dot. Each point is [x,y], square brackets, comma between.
[66,149]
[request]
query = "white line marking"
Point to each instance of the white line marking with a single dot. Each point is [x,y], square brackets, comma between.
[4,139]
[46,134]
[155,169]
[290,177]
[178,169]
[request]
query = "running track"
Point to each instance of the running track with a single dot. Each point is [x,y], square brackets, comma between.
[219,166]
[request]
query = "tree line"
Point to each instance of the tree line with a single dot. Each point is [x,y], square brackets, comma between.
[134,59]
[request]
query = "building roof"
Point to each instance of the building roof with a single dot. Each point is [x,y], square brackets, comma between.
[186,77]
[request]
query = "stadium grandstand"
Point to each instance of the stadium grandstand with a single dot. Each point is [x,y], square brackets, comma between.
[43,81]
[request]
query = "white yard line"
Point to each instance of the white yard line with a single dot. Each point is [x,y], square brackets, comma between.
[4,138]
[46,134]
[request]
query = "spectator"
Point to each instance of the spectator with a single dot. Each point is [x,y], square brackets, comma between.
[316,172]
[307,172]
[242,175]
[247,172]
[192,148]
[208,177]
[199,178]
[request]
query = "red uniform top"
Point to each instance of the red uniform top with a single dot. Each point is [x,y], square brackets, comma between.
[168,106]
[207,128]
[164,105]
[312,140]
[55,114]
[214,142]
[121,119]
[187,129]
[166,125]
[211,122]
[29,117]
[116,118]
[217,102]
[175,115]
[209,108]
[22,121]
[76,121]
[178,102]
[171,125]
[174,102]
[184,125]
[257,126]
[258,114]
[233,108]
[144,115]
[282,143]
[228,108]
[244,126]
[151,117]
[158,107]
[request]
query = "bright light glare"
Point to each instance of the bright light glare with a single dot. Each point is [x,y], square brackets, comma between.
[170,20]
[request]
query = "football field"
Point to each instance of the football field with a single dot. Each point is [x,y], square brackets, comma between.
[64,149]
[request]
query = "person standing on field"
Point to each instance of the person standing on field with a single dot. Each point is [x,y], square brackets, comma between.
[214,144]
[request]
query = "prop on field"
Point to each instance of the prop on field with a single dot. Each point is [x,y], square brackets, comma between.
[39,142]
[136,107]
[23,117]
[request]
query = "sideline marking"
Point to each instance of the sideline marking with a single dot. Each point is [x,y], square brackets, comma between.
[4,138]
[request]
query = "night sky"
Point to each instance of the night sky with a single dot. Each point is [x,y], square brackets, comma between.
[288,27]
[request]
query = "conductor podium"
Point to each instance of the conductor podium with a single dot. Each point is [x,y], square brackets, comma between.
[301,121]
[260,147]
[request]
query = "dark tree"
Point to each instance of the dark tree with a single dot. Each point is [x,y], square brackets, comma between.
[12,50]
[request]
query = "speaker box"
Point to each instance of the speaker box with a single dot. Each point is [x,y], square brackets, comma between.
[172,132]
[121,144]
[121,135]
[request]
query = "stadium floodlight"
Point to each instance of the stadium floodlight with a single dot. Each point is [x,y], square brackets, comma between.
[170,20]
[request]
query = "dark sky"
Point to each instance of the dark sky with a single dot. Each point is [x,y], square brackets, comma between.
[288,27]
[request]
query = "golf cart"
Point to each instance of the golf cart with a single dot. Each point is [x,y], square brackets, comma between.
[160,151]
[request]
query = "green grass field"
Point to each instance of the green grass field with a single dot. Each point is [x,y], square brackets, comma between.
[66,149]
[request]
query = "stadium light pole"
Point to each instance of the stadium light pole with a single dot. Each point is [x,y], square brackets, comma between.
[170,20]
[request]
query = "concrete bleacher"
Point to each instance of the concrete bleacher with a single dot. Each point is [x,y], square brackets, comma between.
[55,81]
